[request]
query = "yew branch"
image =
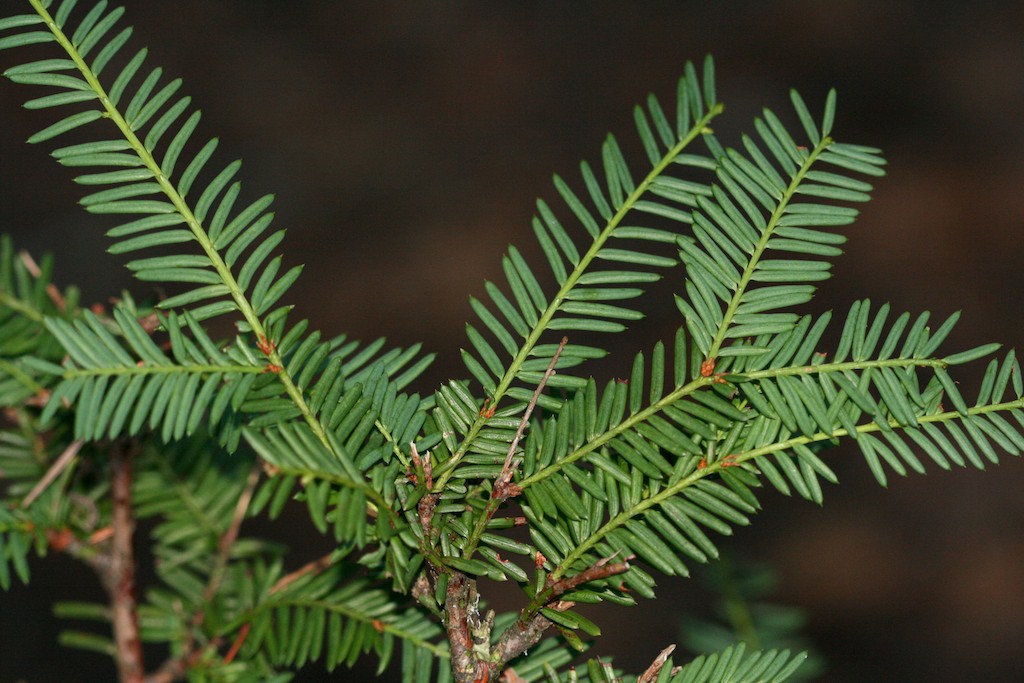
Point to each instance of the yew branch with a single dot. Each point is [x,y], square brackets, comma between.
[119,580]
[460,608]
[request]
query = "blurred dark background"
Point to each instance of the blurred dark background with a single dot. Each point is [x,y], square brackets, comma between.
[406,142]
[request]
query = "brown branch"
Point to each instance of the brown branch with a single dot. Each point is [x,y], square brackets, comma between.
[120,579]
[461,614]
[527,631]
[232,652]
[600,570]
[469,635]
[518,638]
[651,674]
[316,566]
[102,562]
[425,512]
[423,465]
[503,486]
[228,538]
[58,466]
[463,627]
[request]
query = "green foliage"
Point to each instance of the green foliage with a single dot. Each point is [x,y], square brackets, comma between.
[616,481]
[730,665]
[27,299]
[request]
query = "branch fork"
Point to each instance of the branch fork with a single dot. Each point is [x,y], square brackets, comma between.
[474,659]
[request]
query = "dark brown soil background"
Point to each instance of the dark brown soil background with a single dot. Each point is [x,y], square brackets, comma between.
[406,142]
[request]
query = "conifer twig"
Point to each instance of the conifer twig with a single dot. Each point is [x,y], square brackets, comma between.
[503,487]
[460,608]
[120,577]
[58,466]
[527,630]
[314,567]
[423,464]
[651,673]
[228,538]
[600,570]
[519,637]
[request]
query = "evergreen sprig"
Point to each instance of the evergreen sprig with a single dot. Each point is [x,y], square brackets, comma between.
[224,263]
[423,497]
